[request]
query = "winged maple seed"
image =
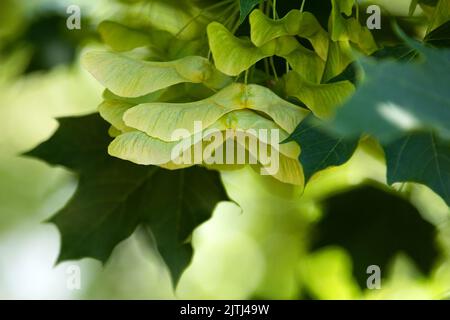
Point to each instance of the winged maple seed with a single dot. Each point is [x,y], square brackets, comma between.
[147,101]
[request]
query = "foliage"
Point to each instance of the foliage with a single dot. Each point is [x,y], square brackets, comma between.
[169,64]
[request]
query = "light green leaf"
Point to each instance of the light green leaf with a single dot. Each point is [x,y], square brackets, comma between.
[339,58]
[114,132]
[113,111]
[290,171]
[122,38]
[441,15]
[295,23]
[127,77]
[321,99]
[307,63]
[361,36]
[161,45]
[142,149]
[251,121]
[157,95]
[231,54]
[412,7]
[337,24]
[180,18]
[285,114]
[160,120]
[282,46]
[349,29]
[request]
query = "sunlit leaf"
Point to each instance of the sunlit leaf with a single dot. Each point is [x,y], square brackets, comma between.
[321,99]
[140,148]
[343,27]
[127,77]
[160,120]
[113,111]
[306,63]
[339,58]
[180,18]
[441,15]
[252,122]
[413,6]
[120,37]
[290,171]
[337,22]
[231,54]
[295,23]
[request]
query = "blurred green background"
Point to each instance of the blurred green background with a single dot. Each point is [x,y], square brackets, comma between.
[274,246]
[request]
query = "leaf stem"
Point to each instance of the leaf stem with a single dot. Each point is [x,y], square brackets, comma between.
[272,64]
[302,6]
[274,9]
[357,11]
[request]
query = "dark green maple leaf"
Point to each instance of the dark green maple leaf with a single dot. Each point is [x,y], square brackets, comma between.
[373,225]
[115,196]
[320,149]
[420,157]
[246,6]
